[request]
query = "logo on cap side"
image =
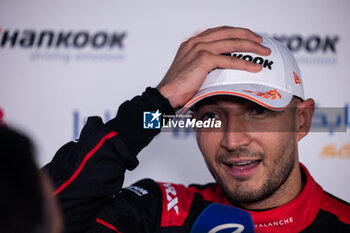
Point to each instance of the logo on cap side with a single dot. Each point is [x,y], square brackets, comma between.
[273,94]
[296,78]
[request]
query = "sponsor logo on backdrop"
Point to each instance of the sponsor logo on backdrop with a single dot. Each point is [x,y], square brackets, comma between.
[332,150]
[334,120]
[312,49]
[65,45]
[330,120]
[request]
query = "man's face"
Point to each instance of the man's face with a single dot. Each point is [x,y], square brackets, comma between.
[254,152]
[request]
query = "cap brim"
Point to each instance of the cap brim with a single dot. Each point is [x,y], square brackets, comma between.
[271,98]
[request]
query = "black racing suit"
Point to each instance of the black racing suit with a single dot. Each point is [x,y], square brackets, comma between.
[89,175]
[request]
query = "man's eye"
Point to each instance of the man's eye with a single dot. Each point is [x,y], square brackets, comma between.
[259,110]
[208,115]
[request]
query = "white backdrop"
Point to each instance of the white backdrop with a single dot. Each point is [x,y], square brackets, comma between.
[47,90]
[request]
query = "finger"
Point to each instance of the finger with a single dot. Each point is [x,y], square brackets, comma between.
[221,33]
[215,34]
[224,30]
[232,45]
[225,62]
[238,32]
[224,46]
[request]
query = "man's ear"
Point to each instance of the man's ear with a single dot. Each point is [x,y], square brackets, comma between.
[304,112]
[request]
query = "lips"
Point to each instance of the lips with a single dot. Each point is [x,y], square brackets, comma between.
[242,168]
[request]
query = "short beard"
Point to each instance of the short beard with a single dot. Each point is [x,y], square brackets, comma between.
[281,170]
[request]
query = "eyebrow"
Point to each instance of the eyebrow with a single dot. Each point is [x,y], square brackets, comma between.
[211,101]
[208,101]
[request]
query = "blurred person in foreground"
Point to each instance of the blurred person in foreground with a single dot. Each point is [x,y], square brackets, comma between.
[252,86]
[26,201]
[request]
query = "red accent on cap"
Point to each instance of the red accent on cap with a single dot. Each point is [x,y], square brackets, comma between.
[227,93]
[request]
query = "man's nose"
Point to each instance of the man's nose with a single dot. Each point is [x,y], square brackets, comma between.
[235,136]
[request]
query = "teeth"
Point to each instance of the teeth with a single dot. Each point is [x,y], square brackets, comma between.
[243,163]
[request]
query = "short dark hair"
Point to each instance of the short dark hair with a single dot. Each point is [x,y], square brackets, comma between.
[21,195]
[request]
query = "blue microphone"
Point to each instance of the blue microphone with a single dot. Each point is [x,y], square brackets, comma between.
[218,218]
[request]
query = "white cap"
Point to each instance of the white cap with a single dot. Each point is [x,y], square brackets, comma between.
[273,87]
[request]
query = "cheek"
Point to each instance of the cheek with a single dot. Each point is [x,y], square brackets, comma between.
[275,145]
[209,144]
[269,143]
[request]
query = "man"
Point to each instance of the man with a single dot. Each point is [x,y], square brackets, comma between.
[257,94]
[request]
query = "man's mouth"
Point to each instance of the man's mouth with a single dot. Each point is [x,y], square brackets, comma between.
[243,164]
[242,168]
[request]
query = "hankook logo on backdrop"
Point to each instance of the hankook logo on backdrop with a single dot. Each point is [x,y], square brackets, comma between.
[66,45]
[312,49]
